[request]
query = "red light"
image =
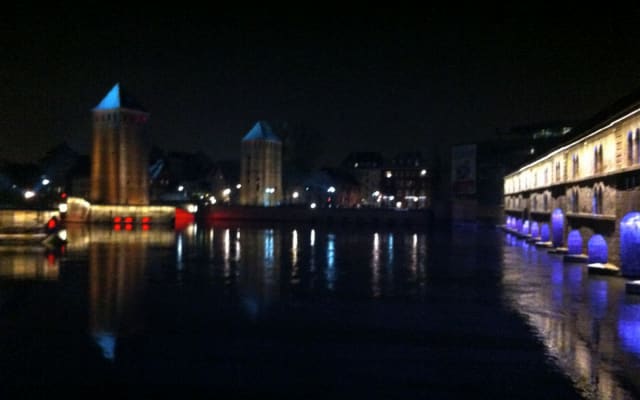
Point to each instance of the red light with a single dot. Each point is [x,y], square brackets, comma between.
[128,227]
[51,224]
[128,220]
[146,220]
[145,227]
[117,227]
[63,195]
[51,259]
[117,220]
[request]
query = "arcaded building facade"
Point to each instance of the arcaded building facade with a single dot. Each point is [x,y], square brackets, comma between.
[119,166]
[585,195]
[261,167]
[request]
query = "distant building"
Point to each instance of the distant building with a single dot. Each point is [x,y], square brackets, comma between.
[406,182]
[261,167]
[119,172]
[477,169]
[366,168]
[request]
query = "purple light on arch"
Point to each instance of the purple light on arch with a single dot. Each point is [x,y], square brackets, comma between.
[519,224]
[574,242]
[630,244]
[544,233]
[557,227]
[525,227]
[597,249]
[629,327]
[535,229]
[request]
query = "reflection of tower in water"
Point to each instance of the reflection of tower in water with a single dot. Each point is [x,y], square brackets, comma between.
[260,269]
[117,263]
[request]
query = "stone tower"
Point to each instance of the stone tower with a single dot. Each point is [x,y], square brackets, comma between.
[119,158]
[261,167]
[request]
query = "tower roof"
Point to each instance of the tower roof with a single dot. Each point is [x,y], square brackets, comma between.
[261,131]
[119,98]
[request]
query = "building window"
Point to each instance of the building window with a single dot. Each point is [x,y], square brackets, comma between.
[630,151]
[574,200]
[637,145]
[597,200]
[558,171]
[535,203]
[546,202]
[576,166]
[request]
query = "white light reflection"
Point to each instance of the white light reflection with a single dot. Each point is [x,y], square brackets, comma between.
[179,252]
[294,257]
[226,246]
[238,248]
[211,244]
[413,265]
[294,248]
[375,266]
[312,252]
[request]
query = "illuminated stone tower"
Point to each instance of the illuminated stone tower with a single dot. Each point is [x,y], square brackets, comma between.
[119,157]
[261,167]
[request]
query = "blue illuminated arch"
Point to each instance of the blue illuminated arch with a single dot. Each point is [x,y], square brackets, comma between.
[557,227]
[535,229]
[519,224]
[574,242]
[597,249]
[544,233]
[525,227]
[630,244]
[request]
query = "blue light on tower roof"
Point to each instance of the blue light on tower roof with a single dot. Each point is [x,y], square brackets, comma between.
[261,131]
[111,100]
[119,98]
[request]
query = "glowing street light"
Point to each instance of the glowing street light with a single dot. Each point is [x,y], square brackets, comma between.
[180,188]
[226,192]
[29,194]
[45,182]
[295,195]
[423,172]
[331,189]
[238,186]
[312,205]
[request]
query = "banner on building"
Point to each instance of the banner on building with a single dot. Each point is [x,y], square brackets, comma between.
[463,169]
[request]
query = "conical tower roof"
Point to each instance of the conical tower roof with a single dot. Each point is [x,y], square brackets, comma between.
[119,98]
[261,131]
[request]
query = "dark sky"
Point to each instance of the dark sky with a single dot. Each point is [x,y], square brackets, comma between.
[375,82]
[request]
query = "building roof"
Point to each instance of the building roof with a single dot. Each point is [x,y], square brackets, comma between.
[119,98]
[261,131]
[363,159]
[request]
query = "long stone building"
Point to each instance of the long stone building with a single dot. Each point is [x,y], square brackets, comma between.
[261,167]
[584,196]
[119,158]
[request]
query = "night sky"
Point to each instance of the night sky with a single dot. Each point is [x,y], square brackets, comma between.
[380,82]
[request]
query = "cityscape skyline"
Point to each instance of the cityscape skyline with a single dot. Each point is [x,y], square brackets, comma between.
[384,83]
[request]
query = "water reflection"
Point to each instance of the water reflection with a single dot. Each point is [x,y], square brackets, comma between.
[588,324]
[28,262]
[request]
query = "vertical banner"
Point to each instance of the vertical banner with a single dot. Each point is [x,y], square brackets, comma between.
[463,169]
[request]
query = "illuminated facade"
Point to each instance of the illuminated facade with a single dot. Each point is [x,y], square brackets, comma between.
[588,188]
[119,171]
[261,167]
